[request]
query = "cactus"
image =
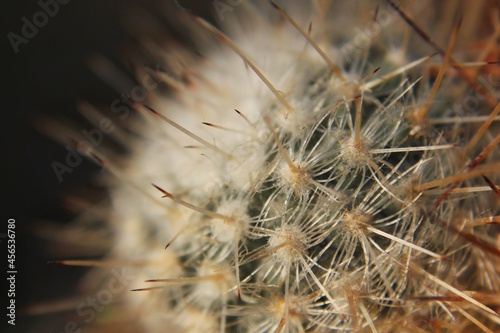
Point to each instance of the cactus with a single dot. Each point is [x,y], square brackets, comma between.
[317,168]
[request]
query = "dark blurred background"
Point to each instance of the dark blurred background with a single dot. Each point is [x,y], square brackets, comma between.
[44,80]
